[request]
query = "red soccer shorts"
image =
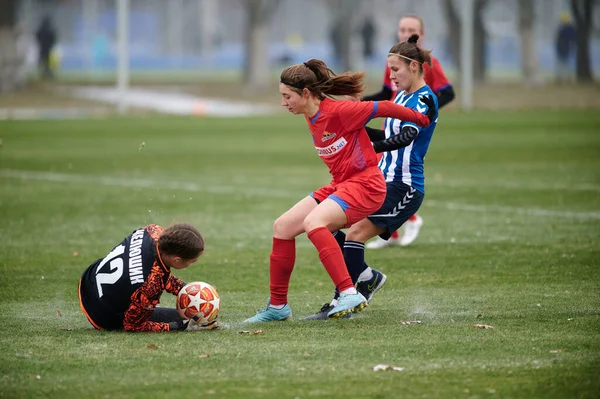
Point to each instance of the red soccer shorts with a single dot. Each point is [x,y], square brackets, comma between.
[359,196]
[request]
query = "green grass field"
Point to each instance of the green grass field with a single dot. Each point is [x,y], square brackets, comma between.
[511,239]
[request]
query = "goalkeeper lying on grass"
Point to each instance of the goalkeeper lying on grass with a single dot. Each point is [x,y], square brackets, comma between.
[123,289]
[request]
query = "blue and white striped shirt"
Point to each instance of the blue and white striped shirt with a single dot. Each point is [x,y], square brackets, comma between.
[406,164]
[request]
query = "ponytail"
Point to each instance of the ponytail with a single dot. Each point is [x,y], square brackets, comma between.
[320,80]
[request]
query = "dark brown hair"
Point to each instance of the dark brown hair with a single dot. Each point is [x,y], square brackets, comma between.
[409,51]
[321,81]
[182,240]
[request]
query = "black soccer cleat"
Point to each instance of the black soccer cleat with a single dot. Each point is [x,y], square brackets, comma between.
[322,314]
[370,287]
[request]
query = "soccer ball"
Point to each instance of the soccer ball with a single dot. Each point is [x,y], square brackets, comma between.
[198,301]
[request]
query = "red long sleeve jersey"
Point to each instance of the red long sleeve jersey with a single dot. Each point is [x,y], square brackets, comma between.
[122,289]
[339,136]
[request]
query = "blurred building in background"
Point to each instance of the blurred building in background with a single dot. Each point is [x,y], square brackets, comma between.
[213,35]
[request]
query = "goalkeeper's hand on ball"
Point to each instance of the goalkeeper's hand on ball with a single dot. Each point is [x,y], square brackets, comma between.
[193,325]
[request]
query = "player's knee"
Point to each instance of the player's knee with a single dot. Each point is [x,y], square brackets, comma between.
[282,228]
[310,223]
[358,232]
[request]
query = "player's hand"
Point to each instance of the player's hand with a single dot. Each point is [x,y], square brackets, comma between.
[431,108]
[193,325]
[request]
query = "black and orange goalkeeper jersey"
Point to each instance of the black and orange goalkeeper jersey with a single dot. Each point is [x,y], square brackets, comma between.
[121,290]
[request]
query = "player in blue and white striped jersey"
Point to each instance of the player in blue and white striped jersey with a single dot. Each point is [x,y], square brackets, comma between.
[404,146]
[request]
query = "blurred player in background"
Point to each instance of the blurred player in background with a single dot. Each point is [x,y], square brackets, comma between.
[436,79]
[122,290]
[404,145]
[356,190]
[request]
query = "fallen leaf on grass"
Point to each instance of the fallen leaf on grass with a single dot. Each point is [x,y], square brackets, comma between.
[556,351]
[75,253]
[152,346]
[58,313]
[483,326]
[38,377]
[252,332]
[410,322]
[204,356]
[385,367]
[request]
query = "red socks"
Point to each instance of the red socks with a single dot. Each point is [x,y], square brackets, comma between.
[413,218]
[283,257]
[331,256]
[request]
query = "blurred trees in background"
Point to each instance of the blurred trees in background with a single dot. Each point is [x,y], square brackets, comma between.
[582,13]
[342,27]
[11,59]
[529,62]
[455,24]
[256,64]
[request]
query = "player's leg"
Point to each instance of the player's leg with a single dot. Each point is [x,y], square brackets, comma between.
[412,227]
[282,259]
[368,281]
[330,216]
[321,314]
[378,242]
[401,202]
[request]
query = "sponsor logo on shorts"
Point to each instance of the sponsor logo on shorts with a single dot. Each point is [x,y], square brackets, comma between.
[331,149]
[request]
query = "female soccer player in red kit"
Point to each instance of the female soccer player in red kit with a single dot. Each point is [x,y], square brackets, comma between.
[436,79]
[357,188]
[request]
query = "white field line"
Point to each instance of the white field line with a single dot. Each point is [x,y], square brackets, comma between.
[511,209]
[143,183]
[268,192]
[533,186]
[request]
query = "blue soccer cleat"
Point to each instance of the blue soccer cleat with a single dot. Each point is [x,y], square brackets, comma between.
[370,287]
[271,314]
[347,303]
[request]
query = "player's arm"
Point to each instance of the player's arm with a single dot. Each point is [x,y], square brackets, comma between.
[439,83]
[143,302]
[174,284]
[445,95]
[384,94]
[391,110]
[375,134]
[406,136]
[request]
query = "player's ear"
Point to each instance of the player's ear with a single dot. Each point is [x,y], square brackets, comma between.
[414,66]
[305,93]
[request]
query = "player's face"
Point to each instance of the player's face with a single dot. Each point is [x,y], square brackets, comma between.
[401,73]
[294,102]
[407,27]
[180,263]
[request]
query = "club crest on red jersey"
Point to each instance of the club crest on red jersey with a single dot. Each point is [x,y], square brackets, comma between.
[328,136]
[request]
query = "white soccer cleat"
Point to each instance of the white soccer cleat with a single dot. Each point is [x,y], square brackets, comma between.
[379,242]
[411,231]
